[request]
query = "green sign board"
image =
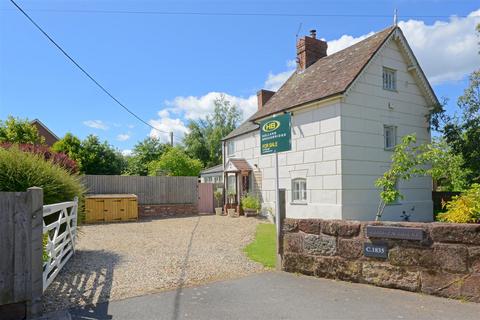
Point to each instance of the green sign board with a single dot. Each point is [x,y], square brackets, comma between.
[276,134]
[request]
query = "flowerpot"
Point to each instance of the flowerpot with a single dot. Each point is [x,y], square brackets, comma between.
[218,211]
[231,212]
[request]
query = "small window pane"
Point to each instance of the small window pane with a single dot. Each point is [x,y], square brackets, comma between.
[389,79]
[230,148]
[299,190]
[390,137]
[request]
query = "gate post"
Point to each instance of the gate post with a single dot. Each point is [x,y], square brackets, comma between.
[35,208]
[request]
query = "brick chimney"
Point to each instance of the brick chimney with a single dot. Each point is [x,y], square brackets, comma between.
[263,96]
[310,50]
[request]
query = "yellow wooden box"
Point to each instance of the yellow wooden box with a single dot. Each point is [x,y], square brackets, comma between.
[110,207]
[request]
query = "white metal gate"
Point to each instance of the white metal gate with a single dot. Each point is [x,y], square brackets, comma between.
[59,233]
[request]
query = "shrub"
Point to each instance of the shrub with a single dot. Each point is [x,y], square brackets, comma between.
[57,158]
[251,202]
[464,208]
[21,170]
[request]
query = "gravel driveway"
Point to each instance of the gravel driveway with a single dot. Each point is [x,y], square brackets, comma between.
[120,260]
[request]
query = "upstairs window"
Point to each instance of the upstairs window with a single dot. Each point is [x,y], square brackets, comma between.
[389,79]
[230,147]
[390,137]
[299,190]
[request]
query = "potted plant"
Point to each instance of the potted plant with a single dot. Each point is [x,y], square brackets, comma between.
[231,208]
[218,196]
[250,205]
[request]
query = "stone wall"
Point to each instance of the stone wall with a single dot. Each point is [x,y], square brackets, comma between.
[445,263]
[166,210]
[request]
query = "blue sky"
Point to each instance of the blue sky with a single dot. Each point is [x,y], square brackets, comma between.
[169,68]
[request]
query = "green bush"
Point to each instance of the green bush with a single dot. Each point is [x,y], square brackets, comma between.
[251,202]
[464,208]
[22,170]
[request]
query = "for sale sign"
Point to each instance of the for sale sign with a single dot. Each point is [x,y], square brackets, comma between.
[276,134]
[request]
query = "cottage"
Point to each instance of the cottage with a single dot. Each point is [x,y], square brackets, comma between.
[348,109]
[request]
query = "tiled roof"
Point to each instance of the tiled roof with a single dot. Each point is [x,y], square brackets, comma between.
[327,77]
[217,168]
[240,164]
[245,127]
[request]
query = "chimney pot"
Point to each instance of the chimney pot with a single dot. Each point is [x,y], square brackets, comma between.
[313,33]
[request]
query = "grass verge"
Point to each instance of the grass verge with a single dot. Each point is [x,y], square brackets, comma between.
[262,249]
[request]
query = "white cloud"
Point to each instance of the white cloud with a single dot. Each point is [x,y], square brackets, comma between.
[127,152]
[345,41]
[446,50]
[165,123]
[123,137]
[96,124]
[275,81]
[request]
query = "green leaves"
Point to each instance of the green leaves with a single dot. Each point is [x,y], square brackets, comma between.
[16,130]
[204,141]
[175,162]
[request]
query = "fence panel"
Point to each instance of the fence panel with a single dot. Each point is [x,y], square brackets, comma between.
[21,253]
[150,190]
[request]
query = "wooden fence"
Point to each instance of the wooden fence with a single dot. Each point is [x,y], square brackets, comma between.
[21,230]
[150,190]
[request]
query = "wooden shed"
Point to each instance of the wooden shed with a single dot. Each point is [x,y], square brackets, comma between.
[110,207]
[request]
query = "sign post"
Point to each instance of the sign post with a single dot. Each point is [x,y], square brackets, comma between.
[275,137]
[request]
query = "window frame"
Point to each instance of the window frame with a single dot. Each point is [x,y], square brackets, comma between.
[230,147]
[394,136]
[302,194]
[393,80]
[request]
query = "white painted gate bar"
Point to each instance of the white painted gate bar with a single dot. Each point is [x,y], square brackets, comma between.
[61,235]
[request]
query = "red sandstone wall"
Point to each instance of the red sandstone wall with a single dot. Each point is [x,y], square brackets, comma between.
[446,263]
[166,210]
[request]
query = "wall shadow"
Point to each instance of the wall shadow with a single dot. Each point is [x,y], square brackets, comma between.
[84,284]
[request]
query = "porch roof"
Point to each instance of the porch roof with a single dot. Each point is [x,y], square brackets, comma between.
[237,165]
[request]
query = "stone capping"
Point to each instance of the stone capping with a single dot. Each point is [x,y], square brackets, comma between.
[445,263]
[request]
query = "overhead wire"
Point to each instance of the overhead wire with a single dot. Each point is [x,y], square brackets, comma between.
[69,57]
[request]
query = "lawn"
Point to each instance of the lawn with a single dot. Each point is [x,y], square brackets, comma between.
[262,249]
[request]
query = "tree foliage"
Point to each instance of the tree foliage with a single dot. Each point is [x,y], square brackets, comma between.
[21,170]
[144,152]
[462,132]
[464,208]
[21,131]
[410,159]
[204,141]
[175,162]
[92,155]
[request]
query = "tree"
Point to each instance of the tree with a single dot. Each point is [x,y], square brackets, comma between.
[446,169]
[71,146]
[196,143]
[100,158]
[91,155]
[175,162]
[143,153]
[462,132]
[16,130]
[204,140]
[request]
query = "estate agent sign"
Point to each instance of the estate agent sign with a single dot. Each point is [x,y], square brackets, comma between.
[275,134]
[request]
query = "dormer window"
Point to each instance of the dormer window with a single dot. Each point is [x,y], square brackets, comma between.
[389,79]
